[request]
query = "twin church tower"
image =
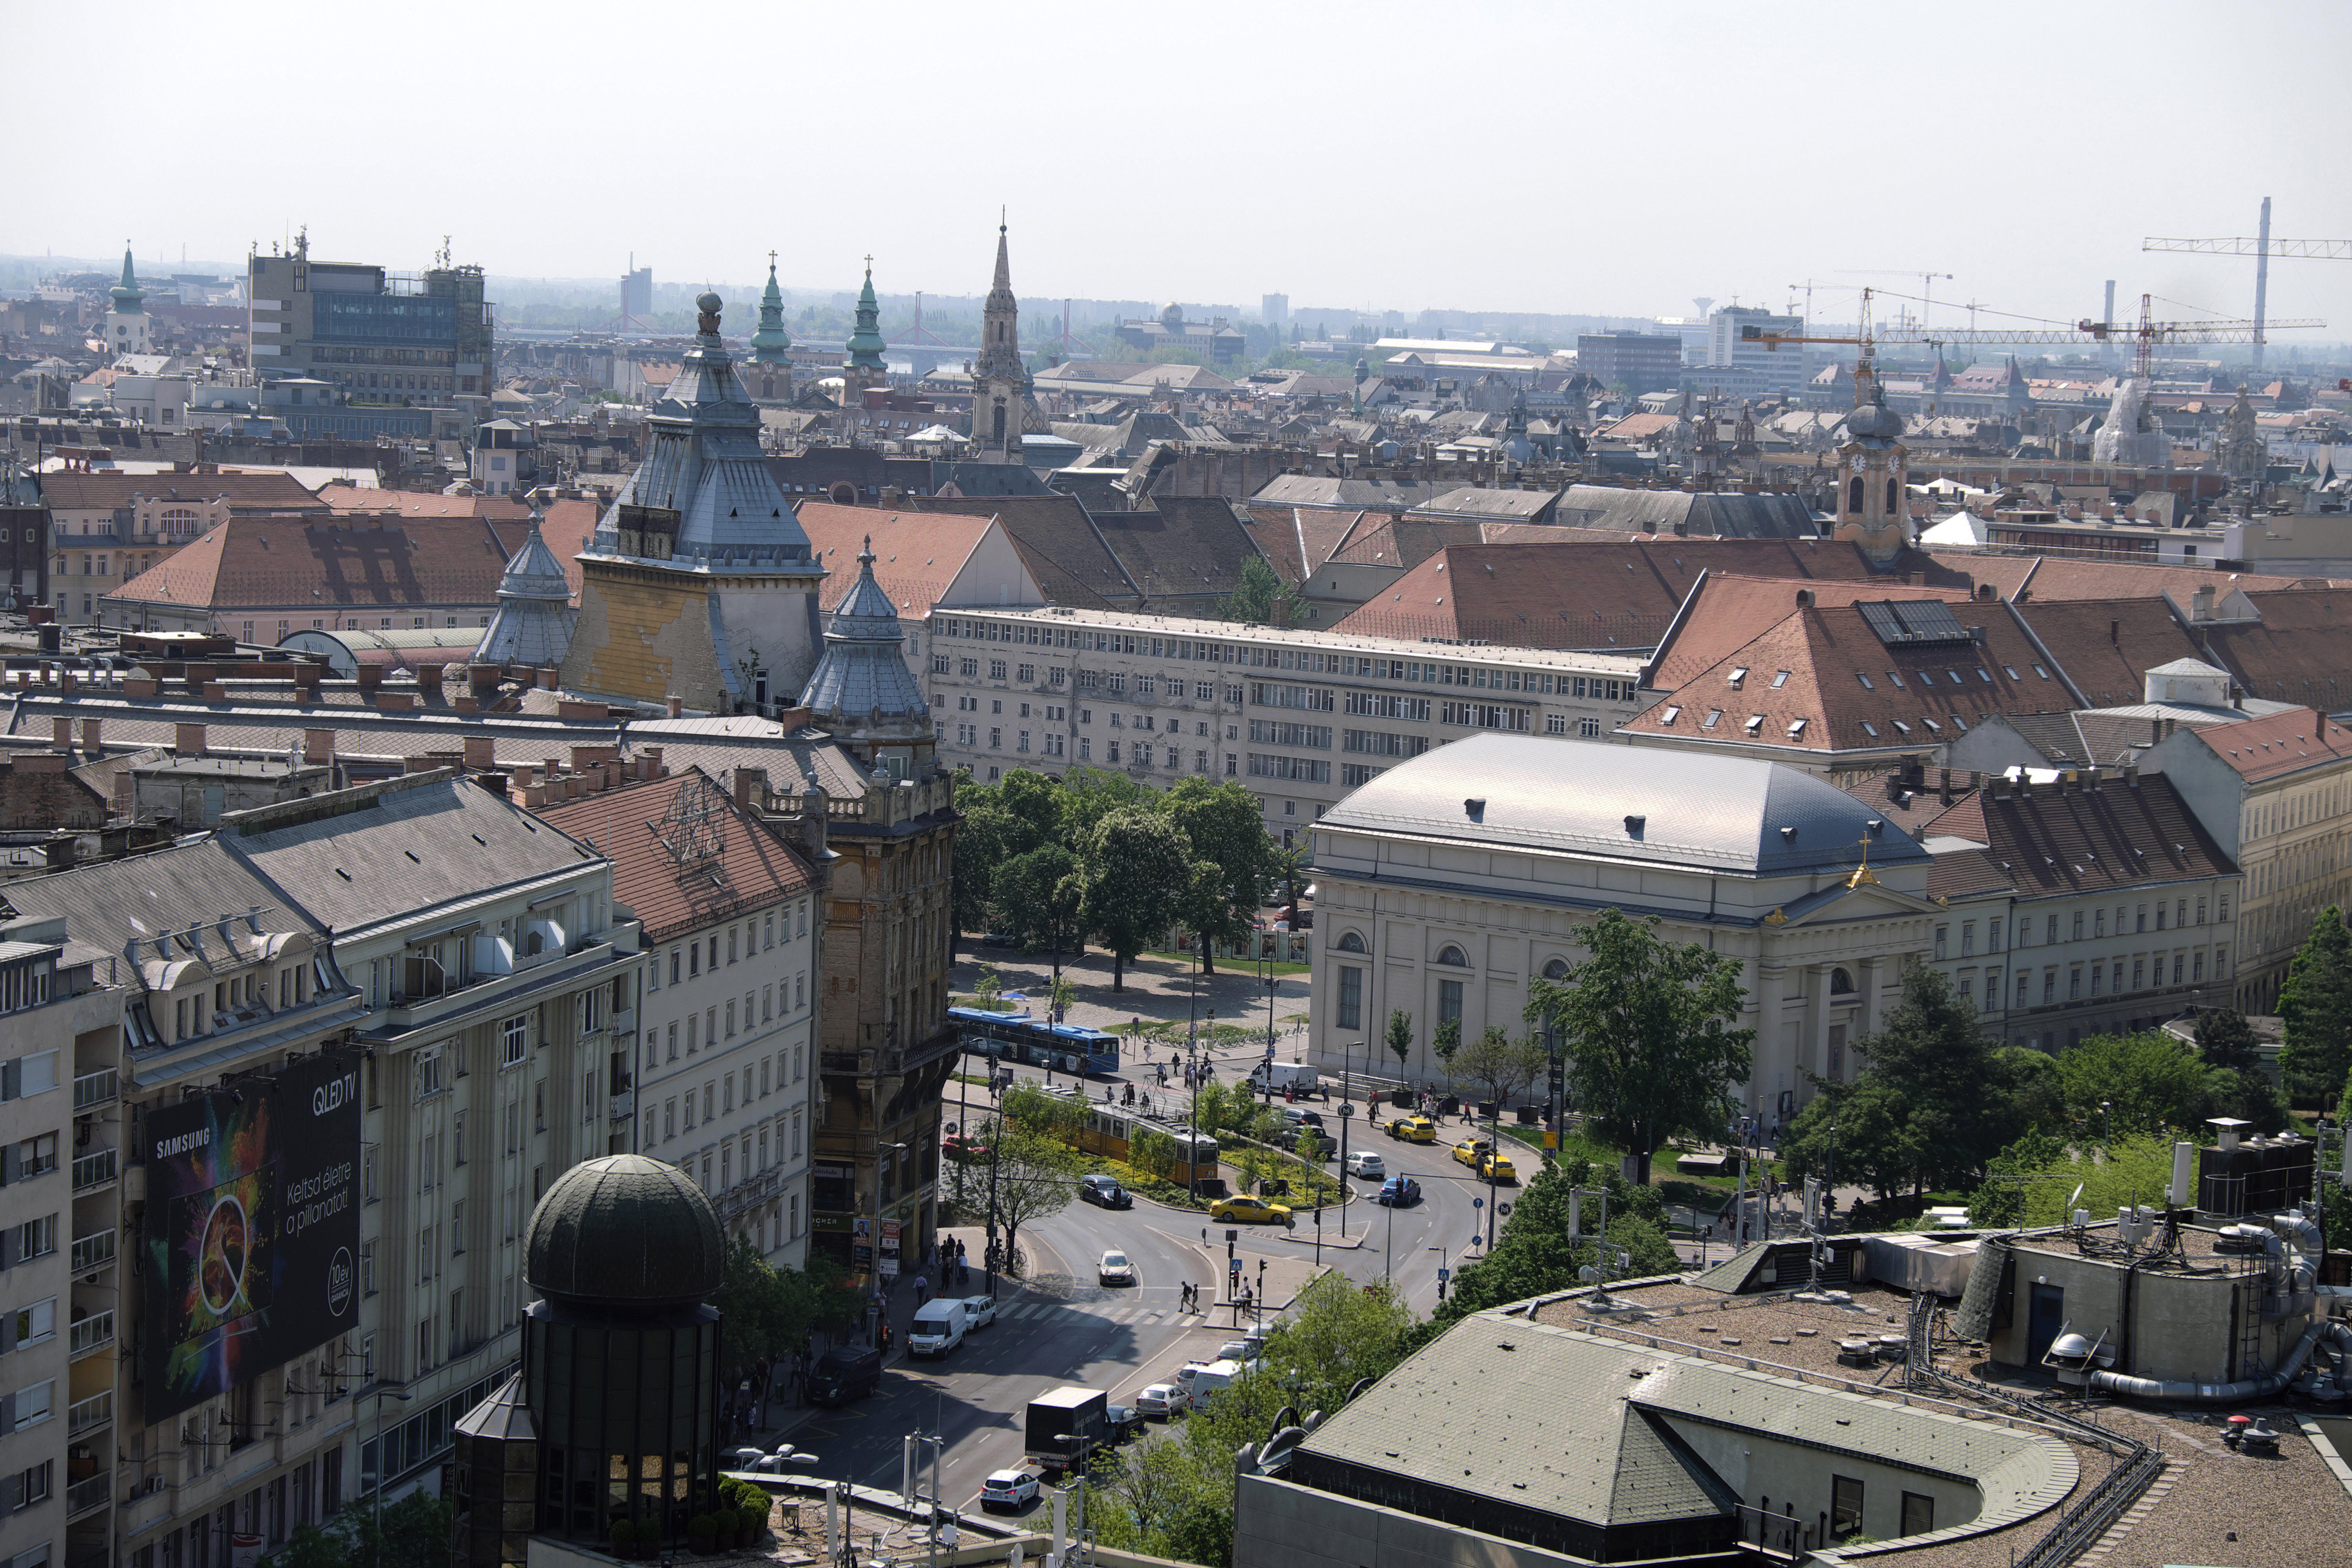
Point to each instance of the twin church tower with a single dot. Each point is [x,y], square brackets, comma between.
[698,582]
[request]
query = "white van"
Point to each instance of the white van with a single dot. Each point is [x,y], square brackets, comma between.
[938,1328]
[1212,1380]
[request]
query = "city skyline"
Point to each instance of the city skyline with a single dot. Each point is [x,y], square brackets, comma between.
[1736,169]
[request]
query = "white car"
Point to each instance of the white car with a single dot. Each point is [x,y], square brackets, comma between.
[978,1310]
[785,1459]
[1164,1399]
[1115,1269]
[1367,1166]
[1008,1489]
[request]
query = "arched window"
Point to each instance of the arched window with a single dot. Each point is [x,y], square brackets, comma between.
[1841,983]
[179,522]
[1556,970]
[1894,496]
[1350,943]
[1453,955]
[1853,495]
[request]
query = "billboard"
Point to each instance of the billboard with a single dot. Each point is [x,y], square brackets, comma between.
[252,1228]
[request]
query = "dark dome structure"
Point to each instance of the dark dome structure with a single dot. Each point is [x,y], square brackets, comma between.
[1873,421]
[625,1231]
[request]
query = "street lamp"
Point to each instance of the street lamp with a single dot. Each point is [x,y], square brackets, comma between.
[1347,1113]
[380,1395]
[880,1303]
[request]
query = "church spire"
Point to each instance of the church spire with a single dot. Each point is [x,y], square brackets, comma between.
[1000,379]
[865,344]
[769,342]
[129,296]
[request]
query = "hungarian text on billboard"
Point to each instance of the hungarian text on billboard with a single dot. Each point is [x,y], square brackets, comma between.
[253,1228]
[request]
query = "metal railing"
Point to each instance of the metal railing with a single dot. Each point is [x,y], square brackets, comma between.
[95,1411]
[90,1334]
[625,1105]
[94,1251]
[95,1169]
[88,1496]
[93,1090]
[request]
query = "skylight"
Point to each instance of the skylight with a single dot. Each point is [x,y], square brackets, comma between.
[2042,672]
[1895,678]
[1779,680]
[1795,729]
[1670,715]
[1866,686]
[1708,722]
[1754,722]
[1870,729]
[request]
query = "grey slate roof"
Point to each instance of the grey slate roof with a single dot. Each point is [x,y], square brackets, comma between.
[1698,514]
[1713,813]
[409,844]
[705,463]
[861,683]
[534,620]
[124,907]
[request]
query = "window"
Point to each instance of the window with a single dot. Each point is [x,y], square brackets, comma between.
[32,1405]
[1449,1000]
[511,1039]
[1846,1507]
[1588,728]
[35,1322]
[1918,1514]
[1351,997]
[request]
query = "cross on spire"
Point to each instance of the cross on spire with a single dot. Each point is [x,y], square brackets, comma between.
[1862,873]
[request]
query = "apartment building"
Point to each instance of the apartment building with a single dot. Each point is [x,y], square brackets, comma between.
[727,981]
[376,337]
[2076,902]
[105,529]
[2276,792]
[1300,717]
[175,1442]
[57,1394]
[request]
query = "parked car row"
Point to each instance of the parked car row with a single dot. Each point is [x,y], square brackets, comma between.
[940,1326]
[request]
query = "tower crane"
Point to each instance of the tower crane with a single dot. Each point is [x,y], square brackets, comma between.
[2144,335]
[2262,247]
[1927,282]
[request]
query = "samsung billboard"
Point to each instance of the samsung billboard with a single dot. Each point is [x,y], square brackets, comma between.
[253,1228]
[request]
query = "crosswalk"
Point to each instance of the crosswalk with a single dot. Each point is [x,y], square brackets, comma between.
[1048,1313]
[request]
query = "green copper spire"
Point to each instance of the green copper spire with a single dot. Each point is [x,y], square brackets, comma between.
[129,297]
[866,344]
[768,343]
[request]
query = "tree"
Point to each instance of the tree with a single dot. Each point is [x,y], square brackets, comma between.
[1089,794]
[1960,1092]
[1446,1041]
[414,1532]
[1497,1065]
[1137,870]
[1227,828]
[1400,1038]
[1337,1334]
[1035,896]
[1647,1027]
[771,1311]
[2315,1004]
[2144,1081]
[2226,1039]
[1861,1132]
[1036,1174]
[1259,593]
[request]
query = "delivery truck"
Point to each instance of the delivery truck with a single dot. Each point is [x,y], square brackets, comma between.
[1062,1423]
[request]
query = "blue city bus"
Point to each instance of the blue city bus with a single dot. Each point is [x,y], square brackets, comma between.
[1016,1037]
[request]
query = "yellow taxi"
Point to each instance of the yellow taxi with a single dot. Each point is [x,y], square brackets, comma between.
[1414,1129]
[1499,1167]
[1470,1150]
[1250,1211]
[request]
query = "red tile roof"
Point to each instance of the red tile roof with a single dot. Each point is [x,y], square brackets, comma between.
[2301,651]
[267,491]
[1058,541]
[751,870]
[1730,612]
[1841,676]
[2053,840]
[2107,645]
[2279,743]
[260,562]
[422,503]
[917,554]
[567,527]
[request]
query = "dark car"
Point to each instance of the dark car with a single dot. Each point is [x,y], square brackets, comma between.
[1125,1421]
[842,1374]
[1400,1191]
[1105,1191]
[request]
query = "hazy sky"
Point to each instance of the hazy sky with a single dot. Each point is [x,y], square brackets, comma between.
[1612,159]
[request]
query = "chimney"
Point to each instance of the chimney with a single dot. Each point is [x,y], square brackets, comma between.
[2131,773]
[371,675]
[61,734]
[188,740]
[652,757]
[751,787]
[482,753]
[2201,604]
[1944,785]
[546,676]
[67,681]
[318,747]
[89,743]
[483,676]
[395,701]
[214,691]
[677,705]
[2091,779]
[1805,598]
[428,677]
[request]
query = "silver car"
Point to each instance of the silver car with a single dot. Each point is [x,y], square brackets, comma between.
[980,1311]
[1164,1399]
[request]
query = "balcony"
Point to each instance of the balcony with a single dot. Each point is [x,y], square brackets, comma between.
[96,1410]
[91,1252]
[625,1105]
[95,1170]
[745,1196]
[88,1496]
[94,1091]
[90,1335]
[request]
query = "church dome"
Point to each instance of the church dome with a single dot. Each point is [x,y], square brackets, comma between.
[1873,421]
[625,1231]
[1173,318]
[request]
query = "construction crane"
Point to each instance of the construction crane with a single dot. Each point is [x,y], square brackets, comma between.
[2145,334]
[2262,247]
[1927,282]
